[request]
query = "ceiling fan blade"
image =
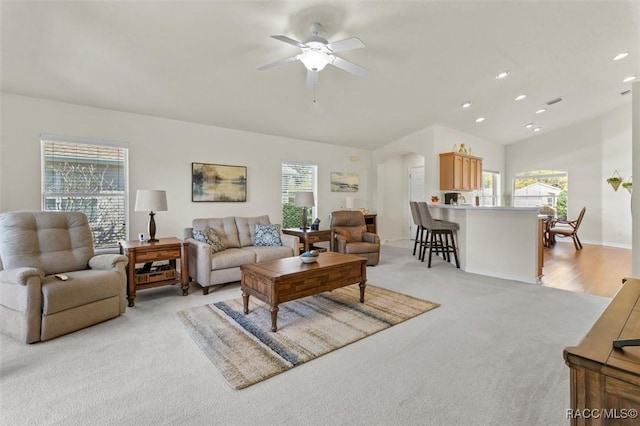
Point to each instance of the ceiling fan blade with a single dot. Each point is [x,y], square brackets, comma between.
[278,63]
[350,67]
[347,44]
[289,40]
[312,79]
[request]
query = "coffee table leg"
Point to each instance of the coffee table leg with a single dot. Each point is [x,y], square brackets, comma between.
[245,301]
[274,318]
[363,284]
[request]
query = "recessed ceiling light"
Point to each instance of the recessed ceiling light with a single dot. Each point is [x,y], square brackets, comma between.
[628,79]
[480,119]
[537,129]
[466,104]
[520,97]
[502,74]
[620,55]
[528,125]
[540,111]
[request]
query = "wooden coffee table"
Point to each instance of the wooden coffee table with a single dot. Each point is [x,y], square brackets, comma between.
[288,279]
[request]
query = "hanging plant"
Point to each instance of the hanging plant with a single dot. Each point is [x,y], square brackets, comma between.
[615,180]
[628,185]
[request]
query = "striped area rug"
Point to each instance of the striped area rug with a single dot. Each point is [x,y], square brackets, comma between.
[245,351]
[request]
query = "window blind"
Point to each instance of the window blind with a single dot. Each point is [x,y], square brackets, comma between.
[90,178]
[296,177]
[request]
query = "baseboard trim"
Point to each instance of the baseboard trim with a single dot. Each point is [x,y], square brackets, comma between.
[503,276]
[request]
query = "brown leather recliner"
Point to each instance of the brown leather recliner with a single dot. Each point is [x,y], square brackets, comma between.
[349,235]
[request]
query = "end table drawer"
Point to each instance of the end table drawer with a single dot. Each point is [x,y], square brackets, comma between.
[150,256]
[152,277]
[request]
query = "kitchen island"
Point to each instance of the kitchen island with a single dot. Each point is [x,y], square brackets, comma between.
[503,242]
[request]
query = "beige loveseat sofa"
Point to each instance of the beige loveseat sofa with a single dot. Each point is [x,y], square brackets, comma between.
[237,235]
[36,305]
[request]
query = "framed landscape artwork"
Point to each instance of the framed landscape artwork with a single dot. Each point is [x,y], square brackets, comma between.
[344,182]
[217,182]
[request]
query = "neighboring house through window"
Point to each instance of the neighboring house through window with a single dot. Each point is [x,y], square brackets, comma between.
[542,188]
[297,177]
[90,177]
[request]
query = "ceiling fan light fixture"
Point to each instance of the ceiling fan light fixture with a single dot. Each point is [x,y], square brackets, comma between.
[314,60]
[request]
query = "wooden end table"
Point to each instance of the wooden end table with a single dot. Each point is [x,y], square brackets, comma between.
[309,237]
[170,249]
[289,279]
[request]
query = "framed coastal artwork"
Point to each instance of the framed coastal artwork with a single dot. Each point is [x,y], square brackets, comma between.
[344,182]
[218,182]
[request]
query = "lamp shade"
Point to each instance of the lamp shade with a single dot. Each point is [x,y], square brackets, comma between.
[350,203]
[151,200]
[304,199]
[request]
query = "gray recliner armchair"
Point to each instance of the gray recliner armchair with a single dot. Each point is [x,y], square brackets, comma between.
[35,305]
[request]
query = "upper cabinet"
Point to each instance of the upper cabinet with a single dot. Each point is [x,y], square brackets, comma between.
[460,172]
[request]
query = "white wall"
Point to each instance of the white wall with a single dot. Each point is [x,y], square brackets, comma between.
[589,151]
[161,152]
[635,255]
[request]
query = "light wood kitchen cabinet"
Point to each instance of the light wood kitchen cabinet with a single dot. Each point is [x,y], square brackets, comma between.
[460,172]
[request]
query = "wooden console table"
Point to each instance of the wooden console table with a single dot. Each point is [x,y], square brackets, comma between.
[170,249]
[605,382]
[371,219]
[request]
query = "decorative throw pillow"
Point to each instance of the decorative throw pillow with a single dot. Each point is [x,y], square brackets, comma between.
[267,235]
[209,236]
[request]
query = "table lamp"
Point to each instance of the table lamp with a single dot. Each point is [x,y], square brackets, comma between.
[151,200]
[304,200]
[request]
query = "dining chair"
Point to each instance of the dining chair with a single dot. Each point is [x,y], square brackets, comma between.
[566,228]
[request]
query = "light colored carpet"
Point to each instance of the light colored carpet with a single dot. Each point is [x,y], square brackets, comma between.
[490,355]
[245,351]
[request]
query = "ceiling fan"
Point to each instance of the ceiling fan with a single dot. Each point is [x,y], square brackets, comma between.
[317,52]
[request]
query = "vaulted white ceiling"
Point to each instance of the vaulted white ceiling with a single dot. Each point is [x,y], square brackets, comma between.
[197,62]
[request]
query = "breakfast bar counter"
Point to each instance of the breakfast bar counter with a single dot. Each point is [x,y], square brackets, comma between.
[497,241]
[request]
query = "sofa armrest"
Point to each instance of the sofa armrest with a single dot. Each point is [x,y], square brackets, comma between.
[21,299]
[199,261]
[341,243]
[107,262]
[370,237]
[20,276]
[291,241]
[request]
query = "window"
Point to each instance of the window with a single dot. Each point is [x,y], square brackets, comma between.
[90,177]
[296,177]
[490,188]
[542,187]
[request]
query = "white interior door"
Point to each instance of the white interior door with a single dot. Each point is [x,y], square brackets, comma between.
[416,193]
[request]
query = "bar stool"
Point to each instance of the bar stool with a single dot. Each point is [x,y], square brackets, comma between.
[440,231]
[419,240]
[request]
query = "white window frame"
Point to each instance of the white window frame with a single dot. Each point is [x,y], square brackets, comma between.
[314,185]
[494,198]
[45,138]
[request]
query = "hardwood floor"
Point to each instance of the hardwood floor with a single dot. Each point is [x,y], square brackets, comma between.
[595,269]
